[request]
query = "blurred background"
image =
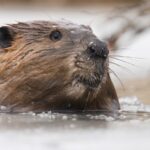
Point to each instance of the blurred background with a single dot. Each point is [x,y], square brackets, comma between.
[66,2]
[123,24]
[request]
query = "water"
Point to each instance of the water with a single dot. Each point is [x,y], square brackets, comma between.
[45,131]
[48,131]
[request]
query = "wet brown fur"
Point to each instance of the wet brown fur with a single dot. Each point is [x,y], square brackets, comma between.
[37,74]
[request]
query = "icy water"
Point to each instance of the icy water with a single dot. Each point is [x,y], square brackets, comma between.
[129,130]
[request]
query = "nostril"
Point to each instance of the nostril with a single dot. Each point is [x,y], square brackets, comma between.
[104,52]
[92,49]
[98,49]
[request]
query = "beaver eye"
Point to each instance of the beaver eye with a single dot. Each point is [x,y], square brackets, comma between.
[55,35]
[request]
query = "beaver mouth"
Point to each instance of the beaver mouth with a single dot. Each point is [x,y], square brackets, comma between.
[92,81]
[90,72]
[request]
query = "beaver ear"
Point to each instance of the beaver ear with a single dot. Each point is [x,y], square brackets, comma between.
[6,36]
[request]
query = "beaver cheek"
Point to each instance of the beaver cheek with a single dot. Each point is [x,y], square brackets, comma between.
[76,90]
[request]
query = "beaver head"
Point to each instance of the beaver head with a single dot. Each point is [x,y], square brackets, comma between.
[54,66]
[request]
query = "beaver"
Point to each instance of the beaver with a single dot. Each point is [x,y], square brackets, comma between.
[50,66]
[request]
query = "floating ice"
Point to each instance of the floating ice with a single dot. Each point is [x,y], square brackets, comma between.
[133,104]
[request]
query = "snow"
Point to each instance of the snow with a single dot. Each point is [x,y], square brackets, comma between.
[47,131]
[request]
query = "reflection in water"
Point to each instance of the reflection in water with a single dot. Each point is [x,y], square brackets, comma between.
[46,131]
[130,130]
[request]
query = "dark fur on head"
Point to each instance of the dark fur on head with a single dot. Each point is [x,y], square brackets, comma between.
[38,73]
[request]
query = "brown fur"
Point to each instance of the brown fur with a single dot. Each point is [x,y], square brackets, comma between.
[37,74]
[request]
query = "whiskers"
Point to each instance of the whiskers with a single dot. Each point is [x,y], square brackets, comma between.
[128,57]
[120,66]
[118,60]
[120,81]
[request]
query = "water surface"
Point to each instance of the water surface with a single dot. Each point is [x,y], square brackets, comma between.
[130,130]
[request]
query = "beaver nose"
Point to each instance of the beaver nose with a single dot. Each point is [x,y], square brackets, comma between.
[98,49]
